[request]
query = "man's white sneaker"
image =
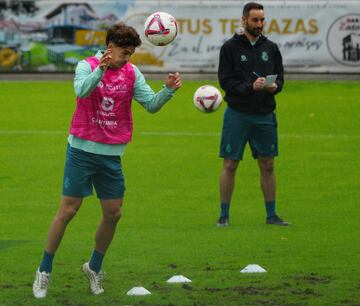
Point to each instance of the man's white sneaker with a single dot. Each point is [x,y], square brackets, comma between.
[41,284]
[95,279]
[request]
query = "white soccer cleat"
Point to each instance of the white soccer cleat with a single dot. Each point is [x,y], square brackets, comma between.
[41,284]
[95,279]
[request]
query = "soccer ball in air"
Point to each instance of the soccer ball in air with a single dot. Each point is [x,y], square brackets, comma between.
[207,99]
[160,28]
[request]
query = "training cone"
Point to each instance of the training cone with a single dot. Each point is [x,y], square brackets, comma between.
[253,269]
[178,279]
[138,291]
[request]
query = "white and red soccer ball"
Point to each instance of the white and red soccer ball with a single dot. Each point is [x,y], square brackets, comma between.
[207,98]
[160,28]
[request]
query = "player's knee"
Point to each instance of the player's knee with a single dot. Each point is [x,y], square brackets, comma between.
[267,167]
[113,216]
[66,214]
[68,209]
[268,171]
[230,166]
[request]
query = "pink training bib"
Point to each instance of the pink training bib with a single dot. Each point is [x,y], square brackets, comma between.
[105,115]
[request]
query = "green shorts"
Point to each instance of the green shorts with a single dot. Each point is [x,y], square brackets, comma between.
[84,170]
[259,130]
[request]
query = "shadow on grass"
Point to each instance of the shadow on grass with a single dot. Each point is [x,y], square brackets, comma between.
[11,243]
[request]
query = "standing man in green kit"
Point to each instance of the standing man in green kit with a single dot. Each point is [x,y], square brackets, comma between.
[245,60]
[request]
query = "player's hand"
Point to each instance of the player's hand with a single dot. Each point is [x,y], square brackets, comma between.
[173,80]
[259,84]
[271,88]
[105,60]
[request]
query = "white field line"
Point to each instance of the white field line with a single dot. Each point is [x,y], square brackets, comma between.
[183,134]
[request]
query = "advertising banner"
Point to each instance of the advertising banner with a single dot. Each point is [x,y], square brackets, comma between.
[55,35]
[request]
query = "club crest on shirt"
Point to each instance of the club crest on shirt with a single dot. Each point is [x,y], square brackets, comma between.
[264,56]
[243,58]
[107,104]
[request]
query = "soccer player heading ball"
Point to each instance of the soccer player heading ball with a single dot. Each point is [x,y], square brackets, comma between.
[101,127]
[245,60]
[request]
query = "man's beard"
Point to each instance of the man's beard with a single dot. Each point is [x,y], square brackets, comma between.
[253,32]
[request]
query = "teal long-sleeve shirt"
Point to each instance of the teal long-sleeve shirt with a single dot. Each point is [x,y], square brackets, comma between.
[85,82]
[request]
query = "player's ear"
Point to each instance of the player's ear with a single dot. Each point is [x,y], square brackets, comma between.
[243,19]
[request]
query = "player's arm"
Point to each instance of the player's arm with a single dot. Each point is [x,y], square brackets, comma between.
[228,79]
[150,100]
[85,80]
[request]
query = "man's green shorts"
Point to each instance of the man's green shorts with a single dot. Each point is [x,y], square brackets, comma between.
[83,170]
[259,130]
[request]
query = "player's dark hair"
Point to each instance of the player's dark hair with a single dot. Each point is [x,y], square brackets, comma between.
[122,36]
[251,6]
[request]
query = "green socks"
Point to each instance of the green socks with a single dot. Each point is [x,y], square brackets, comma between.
[270,209]
[225,207]
[46,262]
[96,261]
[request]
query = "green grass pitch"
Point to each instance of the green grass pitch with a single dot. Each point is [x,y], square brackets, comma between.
[171,204]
